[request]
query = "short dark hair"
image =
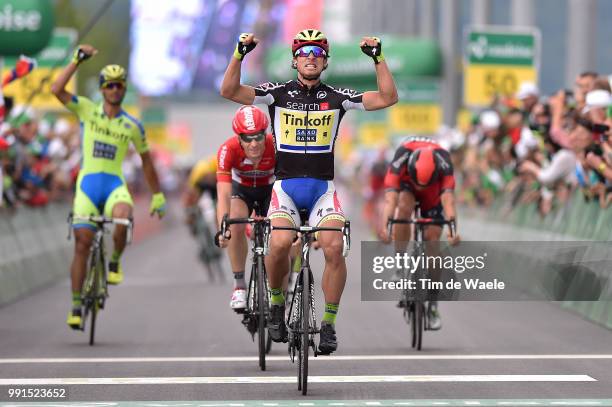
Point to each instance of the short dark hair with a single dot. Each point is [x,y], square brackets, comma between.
[590,74]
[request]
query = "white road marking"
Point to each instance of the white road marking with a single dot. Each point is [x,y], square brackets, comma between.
[292,379]
[231,359]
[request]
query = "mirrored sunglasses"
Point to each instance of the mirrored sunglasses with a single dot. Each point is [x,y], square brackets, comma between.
[308,49]
[247,138]
[114,85]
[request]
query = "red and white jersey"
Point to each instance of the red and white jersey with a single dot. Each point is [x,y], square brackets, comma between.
[234,166]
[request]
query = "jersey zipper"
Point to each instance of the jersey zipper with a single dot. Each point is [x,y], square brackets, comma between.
[306,135]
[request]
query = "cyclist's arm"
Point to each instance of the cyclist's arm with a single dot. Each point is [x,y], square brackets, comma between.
[386,95]
[391,200]
[224,196]
[58,88]
[448,205]
[150,173]
[232,89]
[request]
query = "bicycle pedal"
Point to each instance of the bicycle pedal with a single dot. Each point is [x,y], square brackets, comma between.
[240,311]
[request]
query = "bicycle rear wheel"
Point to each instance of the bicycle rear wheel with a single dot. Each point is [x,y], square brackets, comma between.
[305,332]
[260,295]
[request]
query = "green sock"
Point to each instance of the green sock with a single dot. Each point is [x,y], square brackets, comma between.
[76,299]
[276,296]
[331,310]
[115,257]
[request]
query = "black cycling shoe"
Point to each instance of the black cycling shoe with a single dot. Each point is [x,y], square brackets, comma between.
[327,339]
[276,325]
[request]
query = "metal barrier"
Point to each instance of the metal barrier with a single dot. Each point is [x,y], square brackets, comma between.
[33,250]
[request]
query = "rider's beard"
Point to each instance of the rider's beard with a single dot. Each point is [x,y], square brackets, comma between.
[311,77]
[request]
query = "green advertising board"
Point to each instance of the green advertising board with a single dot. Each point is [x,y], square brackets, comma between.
[57,52]
[349,66]
[501,48]
[497,60]
[25,26]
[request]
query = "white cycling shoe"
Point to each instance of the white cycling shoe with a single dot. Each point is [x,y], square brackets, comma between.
[238,301]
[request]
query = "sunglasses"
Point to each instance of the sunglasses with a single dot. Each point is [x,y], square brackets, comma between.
[247,138]
[114,85]
[310,49]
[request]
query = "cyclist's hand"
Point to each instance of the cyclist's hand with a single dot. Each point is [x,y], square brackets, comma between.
[82,53]
[383,235]
[246,43]
[454,239]
[221,240]
[158,204]
[372,47]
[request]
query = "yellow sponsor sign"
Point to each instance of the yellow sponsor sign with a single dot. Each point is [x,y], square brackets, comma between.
[314,131]
[157,134]
[35,82]
[373,135]
[415,118]
[483,82]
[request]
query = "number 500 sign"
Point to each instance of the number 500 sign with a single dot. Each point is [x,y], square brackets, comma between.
[497,62]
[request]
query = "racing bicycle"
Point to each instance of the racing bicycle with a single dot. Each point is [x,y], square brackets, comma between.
[301,322]
[95,288]
[414,302]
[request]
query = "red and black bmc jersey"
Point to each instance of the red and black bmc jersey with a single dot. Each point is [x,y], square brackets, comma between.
[305,125]
[234,166]
[398,178]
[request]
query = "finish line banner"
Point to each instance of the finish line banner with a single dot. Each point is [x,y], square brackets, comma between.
[487,271]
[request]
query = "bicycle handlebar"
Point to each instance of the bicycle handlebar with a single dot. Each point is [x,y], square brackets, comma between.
[101,220]
[345,230]
[422,222]
[227,221]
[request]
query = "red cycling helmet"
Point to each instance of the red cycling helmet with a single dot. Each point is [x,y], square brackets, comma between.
[249,120]
[423,166]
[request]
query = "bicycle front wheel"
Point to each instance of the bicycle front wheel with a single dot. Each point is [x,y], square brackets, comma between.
[96,271]
[261,295]
[305,332]
[411,309]
[420,319]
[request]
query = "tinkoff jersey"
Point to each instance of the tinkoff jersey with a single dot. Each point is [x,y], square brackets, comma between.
[105,140]
[305,125]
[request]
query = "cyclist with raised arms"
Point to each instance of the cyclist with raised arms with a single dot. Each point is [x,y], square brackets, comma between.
[421,172]
[306,114]
[106,133]
[245,175]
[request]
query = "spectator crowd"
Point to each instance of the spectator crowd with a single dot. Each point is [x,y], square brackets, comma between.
[540,149]
[39,157]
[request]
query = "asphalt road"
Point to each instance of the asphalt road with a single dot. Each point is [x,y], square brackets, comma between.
[167,334]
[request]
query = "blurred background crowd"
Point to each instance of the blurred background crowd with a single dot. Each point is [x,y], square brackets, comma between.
[543,140]
[537,148]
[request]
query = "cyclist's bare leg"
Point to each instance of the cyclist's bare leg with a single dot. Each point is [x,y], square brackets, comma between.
[280,245]
[405,208]
[334,275]
[124,211]
[237,246]
[83,237]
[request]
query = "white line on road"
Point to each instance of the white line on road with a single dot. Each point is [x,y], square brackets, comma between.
[292,379]
[220,359]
